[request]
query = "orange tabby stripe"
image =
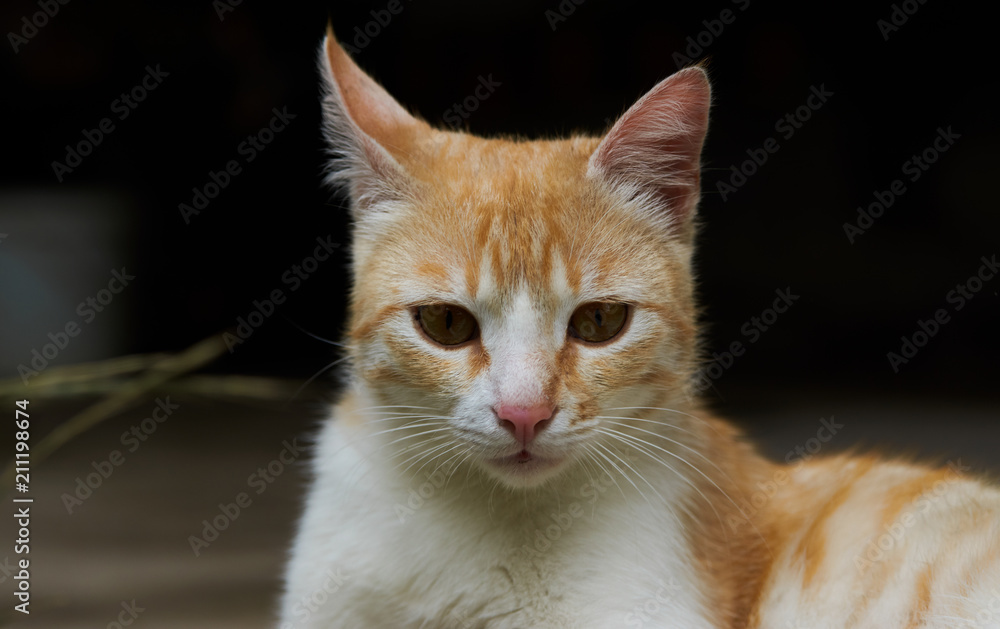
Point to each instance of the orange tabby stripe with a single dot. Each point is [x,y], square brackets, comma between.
[812,546]
[903,496]
[923,598]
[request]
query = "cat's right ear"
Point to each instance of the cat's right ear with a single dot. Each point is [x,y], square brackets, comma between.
[653,151]
[364,126]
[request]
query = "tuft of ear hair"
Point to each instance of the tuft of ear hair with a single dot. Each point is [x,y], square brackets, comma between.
[654,149]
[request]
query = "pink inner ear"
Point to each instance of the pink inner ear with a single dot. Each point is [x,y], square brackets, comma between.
[657,142]
[375,113]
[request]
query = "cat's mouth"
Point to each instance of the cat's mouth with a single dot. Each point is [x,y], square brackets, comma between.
[524,466]
[521,458]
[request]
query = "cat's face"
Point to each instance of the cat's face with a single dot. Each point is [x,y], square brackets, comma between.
[516,303]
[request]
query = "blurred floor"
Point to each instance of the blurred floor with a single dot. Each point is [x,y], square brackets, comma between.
[129,540]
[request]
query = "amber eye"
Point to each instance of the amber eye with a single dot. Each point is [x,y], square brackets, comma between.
[446,324]
[598,321]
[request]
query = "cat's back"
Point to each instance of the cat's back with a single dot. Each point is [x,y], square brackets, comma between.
[856,541]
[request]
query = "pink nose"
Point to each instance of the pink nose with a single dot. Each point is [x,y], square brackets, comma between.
[524,422]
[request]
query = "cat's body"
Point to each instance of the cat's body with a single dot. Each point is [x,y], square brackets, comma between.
[518,446]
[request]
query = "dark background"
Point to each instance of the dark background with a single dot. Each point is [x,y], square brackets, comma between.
[783,228]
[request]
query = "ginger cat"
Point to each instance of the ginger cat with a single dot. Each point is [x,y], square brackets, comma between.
[519,445]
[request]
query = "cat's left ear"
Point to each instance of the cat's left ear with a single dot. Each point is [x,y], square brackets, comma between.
[367,130]
[654,150]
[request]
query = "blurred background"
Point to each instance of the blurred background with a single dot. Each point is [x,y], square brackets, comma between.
[161,178]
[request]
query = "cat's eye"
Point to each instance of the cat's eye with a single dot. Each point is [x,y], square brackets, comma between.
[598,321]
[446,323]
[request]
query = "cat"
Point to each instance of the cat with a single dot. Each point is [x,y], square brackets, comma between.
[520,443]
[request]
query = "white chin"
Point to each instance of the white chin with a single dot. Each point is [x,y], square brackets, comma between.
[524,470]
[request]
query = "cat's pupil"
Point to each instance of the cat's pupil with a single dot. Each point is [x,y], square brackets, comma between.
[445,323]
[598,321]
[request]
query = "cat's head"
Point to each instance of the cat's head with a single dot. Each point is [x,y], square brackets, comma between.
[516,302]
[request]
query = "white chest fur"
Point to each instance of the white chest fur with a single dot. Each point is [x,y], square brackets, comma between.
[451,549]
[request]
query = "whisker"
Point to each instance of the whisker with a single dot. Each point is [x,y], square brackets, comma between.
[679,458]
[313,377]
[368,408]
[667,505]
[362,438]
[673,441]
[667,410]
[423,433]
[624,475]
[407,417]
[637,473]
[434,471]
[464,454]
[640,445]
[633,439]
[308,333]
[590,453]
[407,427]
[419,455]
[426,454]
[651,421]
